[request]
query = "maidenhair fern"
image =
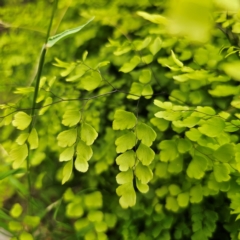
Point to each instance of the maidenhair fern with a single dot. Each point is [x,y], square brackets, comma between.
[131,132]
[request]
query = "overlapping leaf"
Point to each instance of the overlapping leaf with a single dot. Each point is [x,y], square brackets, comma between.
[161,170]
[147,91]
[67,154]
[18,155]
[161,124]
[145,76]
[191,121]
[91,80]
[212,127]
[163,105]
[125,177]
[155,18]
[129,66]
[143,188]
[21,120]
[196,194]
[193,134]
[88,133]
[174,189]
[143,173]
[124,120]
[46,105]
[126,160]
[84,153]
[162,191]
[67,138]
[177,61]
[128,195]
[183,145]
[221,172]
[135,91]
[33,139]
[197,167]
[67,171]
[168,150]
[71,118]
[225,153]
[81,164]
[171,204]
[155,46]
[145,154]
[176,166]
[145,133]
[125,142]
[183,199]
[22,138]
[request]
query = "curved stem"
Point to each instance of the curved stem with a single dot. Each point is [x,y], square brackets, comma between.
[51,20]
[38,77]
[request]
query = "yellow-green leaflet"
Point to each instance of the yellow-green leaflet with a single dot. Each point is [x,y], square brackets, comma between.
[123,120]
[71,118]
[67,171]
[177,61]
[145,154]
[125,142]
[183,199]
[143,188]
[156,46]
[145,76]
[46,105]
[124,177]
[21,120]
[67,138]
[126,160]
[67,154]
[81,164]
[128,195]
[26,236]
[33,139]
[18,155]
[143,173]
[22,138]
[91,80]
[155,18]
[16,210]
[146,134]
[221,172]
[88,133]
[84,153]
[171,204]
[197,167]
[129,66]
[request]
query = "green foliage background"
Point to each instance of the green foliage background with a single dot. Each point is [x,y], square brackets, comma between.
[134,132]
